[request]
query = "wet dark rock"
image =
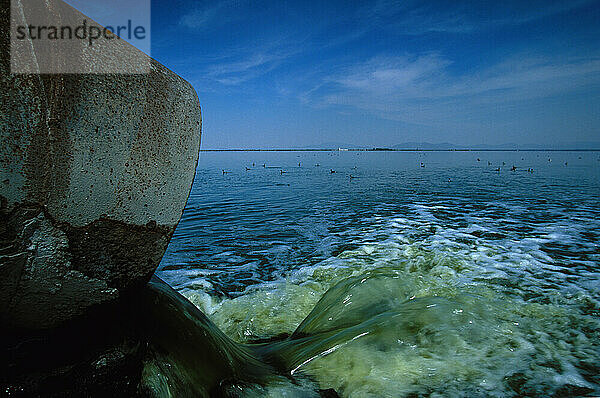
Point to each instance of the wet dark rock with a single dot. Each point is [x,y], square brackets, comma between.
[39,285]
[95,355]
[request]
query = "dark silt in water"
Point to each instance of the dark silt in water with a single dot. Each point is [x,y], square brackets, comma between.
[451,279]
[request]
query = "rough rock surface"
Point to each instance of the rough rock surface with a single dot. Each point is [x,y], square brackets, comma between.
[95,171]
[38,275]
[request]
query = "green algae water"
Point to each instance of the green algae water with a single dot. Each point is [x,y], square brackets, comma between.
[452,279]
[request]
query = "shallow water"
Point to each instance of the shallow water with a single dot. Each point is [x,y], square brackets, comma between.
[450,279]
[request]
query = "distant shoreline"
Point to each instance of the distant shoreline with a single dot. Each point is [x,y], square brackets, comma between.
[397,150]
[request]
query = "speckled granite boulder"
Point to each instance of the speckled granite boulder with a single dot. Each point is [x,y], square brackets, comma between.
[95,171]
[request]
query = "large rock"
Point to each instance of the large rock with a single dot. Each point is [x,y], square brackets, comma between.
[95,171]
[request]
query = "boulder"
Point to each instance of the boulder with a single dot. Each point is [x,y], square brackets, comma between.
[95,170]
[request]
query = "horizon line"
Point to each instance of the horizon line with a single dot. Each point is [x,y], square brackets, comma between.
[385,149]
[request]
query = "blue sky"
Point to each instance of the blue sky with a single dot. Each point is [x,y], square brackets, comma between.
[299,73]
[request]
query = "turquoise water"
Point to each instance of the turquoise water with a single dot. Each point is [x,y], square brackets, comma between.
[451,279]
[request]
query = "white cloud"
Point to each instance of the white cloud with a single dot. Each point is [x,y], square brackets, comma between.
[387,74]
[210,15]
[236,72]
[242,66]
[416,17]
[421,90]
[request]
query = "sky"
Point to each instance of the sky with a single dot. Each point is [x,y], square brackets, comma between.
[285,74]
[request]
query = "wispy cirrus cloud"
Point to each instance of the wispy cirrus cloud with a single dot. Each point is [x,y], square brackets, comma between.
[234,67]
[527,77]
[385,75]
[422,89]
[417,17]
[239,71]
[214,14]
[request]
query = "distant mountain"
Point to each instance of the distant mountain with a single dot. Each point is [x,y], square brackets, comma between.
[426,145]
[444,146]
[335,145]
[565,145]
[587,145]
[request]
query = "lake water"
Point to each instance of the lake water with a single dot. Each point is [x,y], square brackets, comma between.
[450,277]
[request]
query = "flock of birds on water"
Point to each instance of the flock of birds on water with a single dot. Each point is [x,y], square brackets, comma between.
[513,168]
[282,171]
